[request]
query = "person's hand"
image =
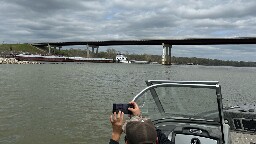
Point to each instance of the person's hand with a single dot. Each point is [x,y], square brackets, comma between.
[135,110]
[117,123]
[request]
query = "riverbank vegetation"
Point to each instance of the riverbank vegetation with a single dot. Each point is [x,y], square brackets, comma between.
[7,49]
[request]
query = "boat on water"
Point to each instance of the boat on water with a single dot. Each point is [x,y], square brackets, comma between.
[188,112]
[140,62]
[120,58]
[95,60]
[53,58]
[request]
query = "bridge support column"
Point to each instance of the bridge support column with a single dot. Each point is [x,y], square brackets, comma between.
[60,47]
[166,57]
[93,47]
[49,49]
[54,50]
[88,51]
[97,49]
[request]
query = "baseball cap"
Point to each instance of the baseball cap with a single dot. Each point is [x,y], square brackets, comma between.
[140,131]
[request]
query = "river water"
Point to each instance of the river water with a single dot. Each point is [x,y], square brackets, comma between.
[71,103]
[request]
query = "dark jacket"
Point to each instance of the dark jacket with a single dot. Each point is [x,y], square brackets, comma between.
[113,142]
[162,138]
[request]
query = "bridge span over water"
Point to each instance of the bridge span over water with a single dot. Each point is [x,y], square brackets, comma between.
[166,43]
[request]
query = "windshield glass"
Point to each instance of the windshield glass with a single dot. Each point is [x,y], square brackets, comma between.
[185,102]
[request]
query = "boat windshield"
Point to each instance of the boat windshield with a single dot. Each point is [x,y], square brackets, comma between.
[183,101]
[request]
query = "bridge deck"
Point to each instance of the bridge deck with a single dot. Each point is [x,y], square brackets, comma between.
[188,41]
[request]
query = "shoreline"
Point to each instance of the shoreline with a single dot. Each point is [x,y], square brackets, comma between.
[15,61]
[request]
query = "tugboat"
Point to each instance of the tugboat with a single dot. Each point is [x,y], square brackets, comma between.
[120,58]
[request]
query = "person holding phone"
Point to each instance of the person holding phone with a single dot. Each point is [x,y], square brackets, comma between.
[138,130]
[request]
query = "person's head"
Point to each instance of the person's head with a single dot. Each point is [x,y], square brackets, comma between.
[140,131]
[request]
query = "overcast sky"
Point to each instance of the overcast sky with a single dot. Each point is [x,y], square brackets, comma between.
[23,21]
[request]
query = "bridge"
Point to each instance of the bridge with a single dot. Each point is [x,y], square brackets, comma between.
[166,43]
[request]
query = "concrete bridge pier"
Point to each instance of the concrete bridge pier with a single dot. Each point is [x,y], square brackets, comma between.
[49,48]
[88,51]
[54,49]
[93,47]
[97,49]
[166,57]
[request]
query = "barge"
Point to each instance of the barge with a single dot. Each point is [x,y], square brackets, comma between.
[53,58]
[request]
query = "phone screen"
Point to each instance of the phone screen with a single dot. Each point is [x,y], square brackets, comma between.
[122,107]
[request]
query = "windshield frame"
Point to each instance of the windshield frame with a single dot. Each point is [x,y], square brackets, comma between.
[193,84]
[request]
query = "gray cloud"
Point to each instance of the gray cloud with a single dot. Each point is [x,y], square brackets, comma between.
[218,9]
[80,20]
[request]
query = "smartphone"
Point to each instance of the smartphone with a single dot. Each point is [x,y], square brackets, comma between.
[123,108]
